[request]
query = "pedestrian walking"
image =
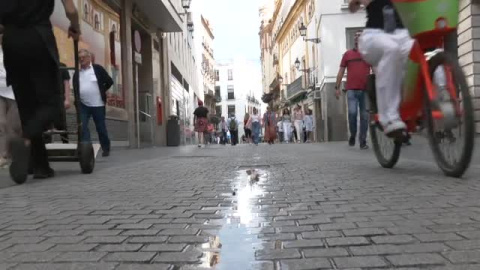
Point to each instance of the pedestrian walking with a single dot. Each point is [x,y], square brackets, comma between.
[247,128]
[201,123]
[270,124]
[224,128]
[280,129]
[10,126]
[298,122]
[309,125]
[233,124]
[94,84]
[255,122]
[32,65]
[357,73]
[287,125]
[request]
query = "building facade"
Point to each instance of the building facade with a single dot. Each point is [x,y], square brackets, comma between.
[147,48]
[238,87]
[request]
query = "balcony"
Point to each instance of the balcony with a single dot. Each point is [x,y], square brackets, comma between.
[218,99]
[295,89]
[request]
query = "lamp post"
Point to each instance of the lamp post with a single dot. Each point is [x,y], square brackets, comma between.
[186,6]
[303,33]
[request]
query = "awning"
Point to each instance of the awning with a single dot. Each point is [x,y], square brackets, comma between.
[161,14]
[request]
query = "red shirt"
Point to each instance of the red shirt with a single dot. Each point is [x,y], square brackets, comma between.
[357,70]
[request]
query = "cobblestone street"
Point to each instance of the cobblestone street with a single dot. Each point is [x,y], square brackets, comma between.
[320,206]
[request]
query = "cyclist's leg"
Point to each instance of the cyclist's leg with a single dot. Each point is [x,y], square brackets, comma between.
[383,51]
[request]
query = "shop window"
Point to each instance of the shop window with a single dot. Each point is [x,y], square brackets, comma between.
[231,92]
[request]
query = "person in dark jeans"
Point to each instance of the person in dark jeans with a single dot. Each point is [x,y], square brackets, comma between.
[357,73]
[233,124]
[94,84]
[31,61]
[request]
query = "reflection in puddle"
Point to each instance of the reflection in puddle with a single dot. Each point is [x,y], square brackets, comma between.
[238,244]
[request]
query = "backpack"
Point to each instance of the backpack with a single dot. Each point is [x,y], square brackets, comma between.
[233,124]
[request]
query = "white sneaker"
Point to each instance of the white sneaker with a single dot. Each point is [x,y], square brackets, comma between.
[393,126]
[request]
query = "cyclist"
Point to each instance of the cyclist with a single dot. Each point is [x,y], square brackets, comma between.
[385,44]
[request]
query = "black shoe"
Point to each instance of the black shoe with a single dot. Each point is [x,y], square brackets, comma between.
[351,142]
[20,160]
[364,146]
[44,173]
[106,153]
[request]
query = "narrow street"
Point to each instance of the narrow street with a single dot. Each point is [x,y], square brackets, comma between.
[320,206]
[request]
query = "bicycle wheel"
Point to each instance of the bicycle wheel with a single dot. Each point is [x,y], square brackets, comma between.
[452,137]
[386,149]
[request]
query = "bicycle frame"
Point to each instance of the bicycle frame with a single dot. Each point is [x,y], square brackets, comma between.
[429,31]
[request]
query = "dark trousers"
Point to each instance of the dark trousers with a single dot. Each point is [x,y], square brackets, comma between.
[60,123]
[234,136]
[224,137]
[33,72]
[98,114]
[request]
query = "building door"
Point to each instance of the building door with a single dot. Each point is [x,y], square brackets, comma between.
[143,84]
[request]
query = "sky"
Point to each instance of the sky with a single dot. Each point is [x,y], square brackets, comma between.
[236,24]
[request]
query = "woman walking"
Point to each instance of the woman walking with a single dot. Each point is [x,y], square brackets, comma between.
[247,128]
[201,122]
[255,122]
[270,123]
[298,117]
[287,125]
[309,125]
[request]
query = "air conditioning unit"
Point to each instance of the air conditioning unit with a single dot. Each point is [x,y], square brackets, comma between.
[317,95]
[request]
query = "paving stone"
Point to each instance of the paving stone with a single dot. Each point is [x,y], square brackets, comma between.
[80,257]
[102,233]
[337,226]
[129,257]
[468,256]
[365,232]
[470,234]
[314,221]
[316,235]
[277,254]
[147,239]
[120,247]
[105,239]
[438,237]
[393,239]
[303,243]
[139,226]
[164,247]
[31,247]
[398,249]
[34,257]
[175,257]
[305,264]
[188,239]
[360,262]
[65,239]
[465,244]
[140,232]
[179,232]
[73,247]
[416,259]
[347,241]
[325,252]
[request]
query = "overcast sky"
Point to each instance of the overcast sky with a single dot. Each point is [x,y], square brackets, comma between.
[235,26]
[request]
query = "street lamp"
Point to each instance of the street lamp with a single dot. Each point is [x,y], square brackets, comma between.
[297,66]
[303,30]
[303,33]
[186,4]
[280,79]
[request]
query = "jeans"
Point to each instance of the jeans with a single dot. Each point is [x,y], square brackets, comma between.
[224,137]
[287,130]
[98,115]
[356,102]
[298,130]
[256,127]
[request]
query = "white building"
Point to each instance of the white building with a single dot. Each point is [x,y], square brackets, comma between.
[336,28]
[239,86]
[183,66]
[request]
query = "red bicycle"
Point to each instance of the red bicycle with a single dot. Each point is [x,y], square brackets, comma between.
[436,95]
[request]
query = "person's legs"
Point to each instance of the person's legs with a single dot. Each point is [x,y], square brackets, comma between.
[387,53]
[353,102]
[363,118]
[3,130]
[99,115]
[85,114]
[298,130]
[286,131]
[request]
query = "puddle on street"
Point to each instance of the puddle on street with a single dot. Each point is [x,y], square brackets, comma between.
[235,245]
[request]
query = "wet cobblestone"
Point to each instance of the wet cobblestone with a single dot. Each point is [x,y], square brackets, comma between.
[311,207]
